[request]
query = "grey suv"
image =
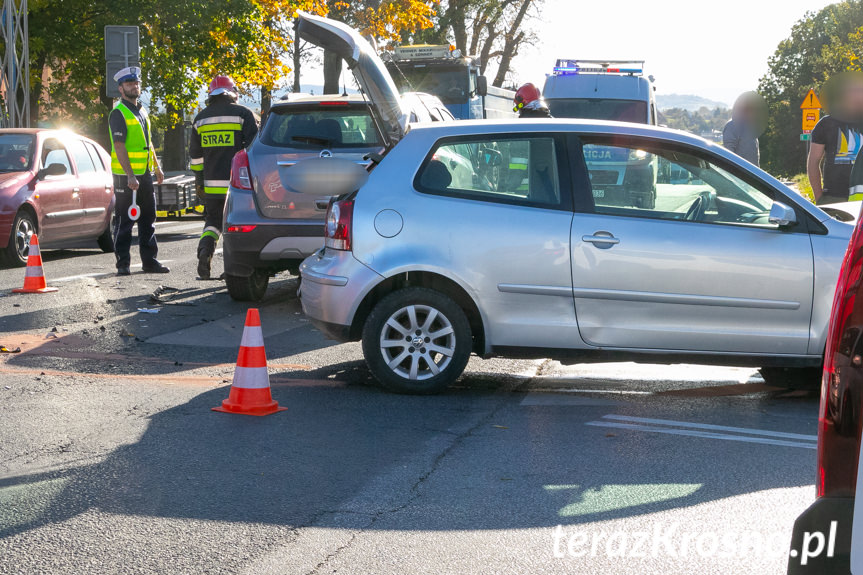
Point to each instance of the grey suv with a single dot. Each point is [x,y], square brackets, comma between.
[269,228]
[489,237]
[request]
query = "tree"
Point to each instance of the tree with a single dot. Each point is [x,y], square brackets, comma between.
[383,21]
[821,45]
[493,30]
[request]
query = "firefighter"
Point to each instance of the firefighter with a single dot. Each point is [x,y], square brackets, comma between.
[528,103]
[133,158]
[221,130]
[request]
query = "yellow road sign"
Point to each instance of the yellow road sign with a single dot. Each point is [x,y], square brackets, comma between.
[810,118]
[811,101]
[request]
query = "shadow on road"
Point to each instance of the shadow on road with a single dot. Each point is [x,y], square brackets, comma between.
[512,468]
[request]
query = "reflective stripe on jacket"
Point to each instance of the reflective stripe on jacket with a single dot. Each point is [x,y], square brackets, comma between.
[136,143]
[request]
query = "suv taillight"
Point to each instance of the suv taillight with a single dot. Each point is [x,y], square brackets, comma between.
[337,231]
[835,475]
[240,175]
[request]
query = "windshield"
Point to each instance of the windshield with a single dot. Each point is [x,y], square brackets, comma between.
[16,152]
[634,111]
[318,126]
[449,83]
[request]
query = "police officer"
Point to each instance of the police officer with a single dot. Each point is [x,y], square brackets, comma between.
[222,129]
[528,103]
[133,157]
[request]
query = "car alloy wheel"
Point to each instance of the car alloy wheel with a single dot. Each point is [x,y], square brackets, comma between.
[24,231]
[417,342]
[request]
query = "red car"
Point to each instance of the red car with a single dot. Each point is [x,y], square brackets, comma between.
[824,540]
[54,183]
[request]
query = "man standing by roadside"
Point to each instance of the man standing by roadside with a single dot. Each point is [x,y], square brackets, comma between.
[836,141]
[222,129]
[747,123]
[132,159]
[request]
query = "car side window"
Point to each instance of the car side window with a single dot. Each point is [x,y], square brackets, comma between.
[82,158]
[506,170]
[671,184]
[53,152]
[96,157]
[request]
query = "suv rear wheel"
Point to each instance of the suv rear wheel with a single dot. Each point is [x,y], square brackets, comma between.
[251,288]
[417,341]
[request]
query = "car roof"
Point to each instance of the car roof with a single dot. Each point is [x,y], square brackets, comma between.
[317,99]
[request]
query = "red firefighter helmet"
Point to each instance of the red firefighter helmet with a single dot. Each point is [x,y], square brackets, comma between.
[525,95]
[222,85]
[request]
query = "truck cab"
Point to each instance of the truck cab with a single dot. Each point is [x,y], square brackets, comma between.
[444,72]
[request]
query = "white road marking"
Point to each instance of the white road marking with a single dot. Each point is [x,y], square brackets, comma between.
[703,434]
[687,424]
[180,227]
[96,274]
[706,430]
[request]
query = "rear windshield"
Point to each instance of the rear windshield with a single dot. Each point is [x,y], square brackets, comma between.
[16,152]
[321,126]
[634,111]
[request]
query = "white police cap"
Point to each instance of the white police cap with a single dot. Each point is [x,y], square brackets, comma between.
[128,74]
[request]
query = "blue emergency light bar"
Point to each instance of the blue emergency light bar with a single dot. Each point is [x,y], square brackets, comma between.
[565,67]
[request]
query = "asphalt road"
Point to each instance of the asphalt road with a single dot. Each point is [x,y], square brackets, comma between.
[111,460]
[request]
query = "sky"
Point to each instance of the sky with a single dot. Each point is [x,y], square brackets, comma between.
[714,50]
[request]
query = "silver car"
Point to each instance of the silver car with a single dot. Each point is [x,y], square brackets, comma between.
[500,239]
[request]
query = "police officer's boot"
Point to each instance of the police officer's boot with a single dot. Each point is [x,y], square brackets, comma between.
[206,249]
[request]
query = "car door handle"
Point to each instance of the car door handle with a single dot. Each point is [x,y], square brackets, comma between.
[601,240]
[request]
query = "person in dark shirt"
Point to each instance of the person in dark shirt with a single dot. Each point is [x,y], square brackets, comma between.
[836,141]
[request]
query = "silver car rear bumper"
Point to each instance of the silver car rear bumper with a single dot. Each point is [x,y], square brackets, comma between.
[333,287]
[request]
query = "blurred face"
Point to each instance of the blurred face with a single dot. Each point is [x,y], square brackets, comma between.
[854,97]
[131,90]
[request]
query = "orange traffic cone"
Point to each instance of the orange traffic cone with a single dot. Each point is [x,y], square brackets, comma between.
[250,392]
[34,277]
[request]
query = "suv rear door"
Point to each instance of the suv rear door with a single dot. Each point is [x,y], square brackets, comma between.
[373,77]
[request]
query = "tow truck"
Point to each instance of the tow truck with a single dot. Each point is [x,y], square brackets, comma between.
[443,71]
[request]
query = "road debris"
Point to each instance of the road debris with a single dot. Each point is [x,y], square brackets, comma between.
[4,349]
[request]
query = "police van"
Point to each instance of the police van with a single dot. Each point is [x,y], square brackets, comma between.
[613,90]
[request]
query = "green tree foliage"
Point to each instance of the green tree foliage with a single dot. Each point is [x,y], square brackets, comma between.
[698,122]
[493,30]
[822,44]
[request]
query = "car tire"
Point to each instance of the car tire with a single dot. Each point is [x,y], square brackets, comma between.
[248,288]
[106,240]
[15,253]
[420,313]
[804,378]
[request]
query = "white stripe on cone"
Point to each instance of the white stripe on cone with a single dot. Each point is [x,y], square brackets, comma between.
[33,272]
[252,337]
[251,378]
[34,250]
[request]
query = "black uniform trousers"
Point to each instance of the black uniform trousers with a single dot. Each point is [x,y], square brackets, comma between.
[146,199]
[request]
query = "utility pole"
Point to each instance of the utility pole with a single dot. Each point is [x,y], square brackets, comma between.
[15,70]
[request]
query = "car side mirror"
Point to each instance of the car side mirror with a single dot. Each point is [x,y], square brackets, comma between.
[482,86]
[491,158]
[782,215]
[52,170]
